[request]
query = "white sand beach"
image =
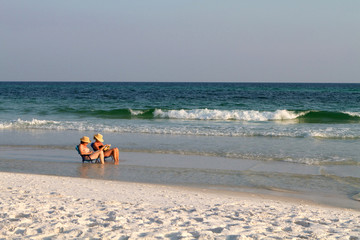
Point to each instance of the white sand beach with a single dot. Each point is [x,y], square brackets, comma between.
[51,207]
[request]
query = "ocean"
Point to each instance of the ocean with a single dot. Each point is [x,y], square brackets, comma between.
[277,138]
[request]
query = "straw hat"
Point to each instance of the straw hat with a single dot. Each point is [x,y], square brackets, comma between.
[85,139]
[99,137]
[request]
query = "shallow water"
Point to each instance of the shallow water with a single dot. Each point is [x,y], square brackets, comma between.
[330,184]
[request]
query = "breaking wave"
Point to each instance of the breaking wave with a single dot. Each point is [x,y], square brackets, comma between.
[242,115]
[199,128]
[303,116]
[252,115]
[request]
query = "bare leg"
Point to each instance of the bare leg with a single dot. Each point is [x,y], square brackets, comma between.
[114,152]
[97,154]
[116,155]
[108,153]
[102,157]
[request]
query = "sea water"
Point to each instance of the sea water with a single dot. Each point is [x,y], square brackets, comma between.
[281,137]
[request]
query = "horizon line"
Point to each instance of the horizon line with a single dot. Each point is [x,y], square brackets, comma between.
[102,81]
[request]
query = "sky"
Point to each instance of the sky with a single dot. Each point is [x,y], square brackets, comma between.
[180,40]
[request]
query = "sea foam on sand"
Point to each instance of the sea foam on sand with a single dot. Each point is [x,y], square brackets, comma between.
[51,207]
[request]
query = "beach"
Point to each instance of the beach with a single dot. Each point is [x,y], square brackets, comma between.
[53,207]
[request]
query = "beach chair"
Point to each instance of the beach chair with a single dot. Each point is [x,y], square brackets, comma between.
[86,158]
[92,145]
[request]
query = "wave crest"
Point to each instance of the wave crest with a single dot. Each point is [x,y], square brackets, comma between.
[27,124]
[329,117]
[241,115]
[301,116]
[310,116]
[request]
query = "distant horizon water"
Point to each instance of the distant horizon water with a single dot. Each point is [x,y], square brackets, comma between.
[196,82]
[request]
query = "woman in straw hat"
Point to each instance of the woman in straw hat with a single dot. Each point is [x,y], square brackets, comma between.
[108,152]
[84,150]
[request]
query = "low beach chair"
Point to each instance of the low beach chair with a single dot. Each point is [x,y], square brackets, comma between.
[86,158]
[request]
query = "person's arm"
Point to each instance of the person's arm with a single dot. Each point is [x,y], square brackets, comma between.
[97,147]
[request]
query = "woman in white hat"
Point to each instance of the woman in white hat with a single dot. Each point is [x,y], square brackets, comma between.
[108,152]
[84,150]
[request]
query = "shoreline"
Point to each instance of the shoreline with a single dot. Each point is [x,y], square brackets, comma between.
[256,177]
[278,179]
[188,171]
[42,206]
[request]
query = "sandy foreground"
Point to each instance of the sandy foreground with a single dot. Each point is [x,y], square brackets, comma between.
[50,207]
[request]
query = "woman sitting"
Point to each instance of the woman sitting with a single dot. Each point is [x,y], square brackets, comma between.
[84,150]
[98,144]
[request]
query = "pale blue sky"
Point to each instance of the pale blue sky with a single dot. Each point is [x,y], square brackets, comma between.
[165,40]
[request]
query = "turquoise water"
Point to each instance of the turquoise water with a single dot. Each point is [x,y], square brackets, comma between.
[293,137]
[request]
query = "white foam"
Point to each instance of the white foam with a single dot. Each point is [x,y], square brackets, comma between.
[135,112]
[37,122]
[353,114]
[242,115]
[27,124]
[231,129]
